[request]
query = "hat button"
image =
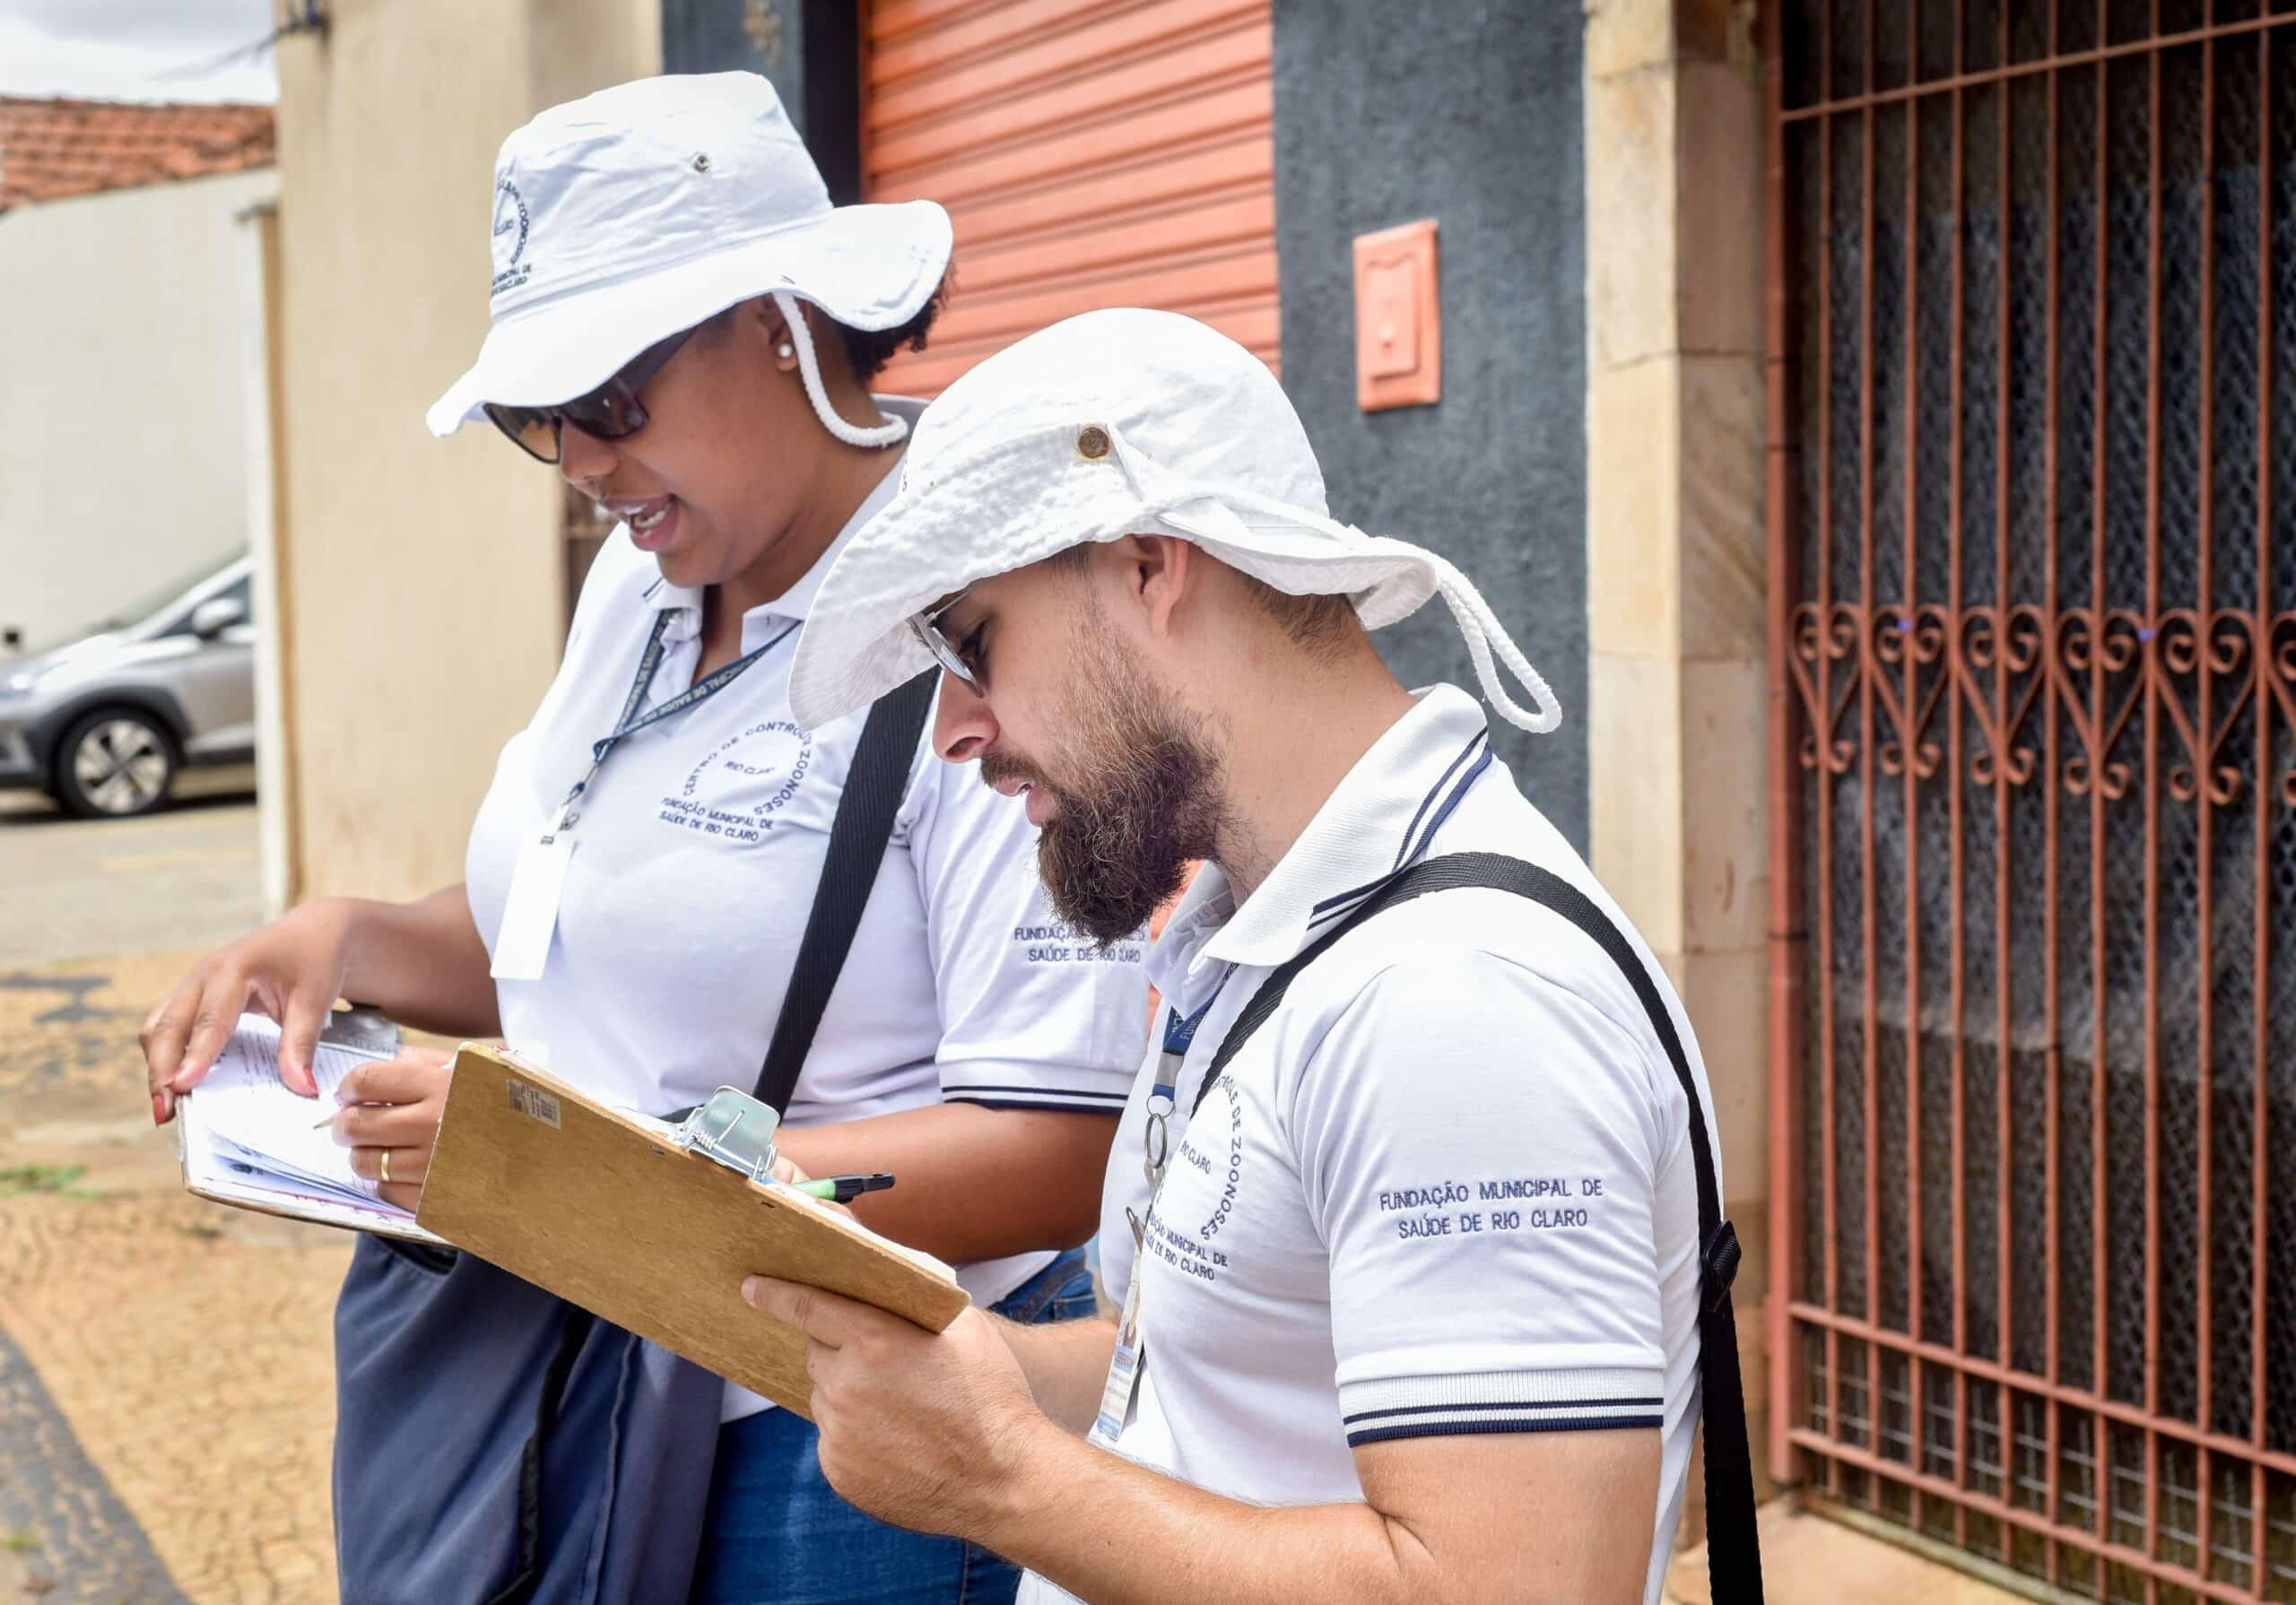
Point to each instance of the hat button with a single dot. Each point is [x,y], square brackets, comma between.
[701,161]
[1092,443]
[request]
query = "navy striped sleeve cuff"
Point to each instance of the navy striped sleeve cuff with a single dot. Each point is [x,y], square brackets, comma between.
[1498,1401]
[1020,1095]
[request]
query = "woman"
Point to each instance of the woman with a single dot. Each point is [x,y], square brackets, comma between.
[685,327]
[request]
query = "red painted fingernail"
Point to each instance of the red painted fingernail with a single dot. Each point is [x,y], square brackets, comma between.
[159,1108]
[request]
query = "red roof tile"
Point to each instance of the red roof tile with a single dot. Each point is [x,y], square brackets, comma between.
[50,149]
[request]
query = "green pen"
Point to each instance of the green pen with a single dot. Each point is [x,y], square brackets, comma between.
[844,1189]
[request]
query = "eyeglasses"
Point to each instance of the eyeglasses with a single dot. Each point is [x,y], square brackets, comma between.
[926,629]
[612,411]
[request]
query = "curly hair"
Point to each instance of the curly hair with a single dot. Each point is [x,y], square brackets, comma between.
[870,350]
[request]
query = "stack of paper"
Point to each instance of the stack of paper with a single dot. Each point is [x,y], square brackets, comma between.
[249,1139]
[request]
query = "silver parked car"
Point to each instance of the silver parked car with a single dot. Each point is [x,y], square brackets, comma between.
[104,722]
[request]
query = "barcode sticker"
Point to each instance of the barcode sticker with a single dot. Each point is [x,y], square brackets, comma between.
[533,1103]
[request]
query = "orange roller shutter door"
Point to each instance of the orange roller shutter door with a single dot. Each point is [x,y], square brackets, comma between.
[1092,153]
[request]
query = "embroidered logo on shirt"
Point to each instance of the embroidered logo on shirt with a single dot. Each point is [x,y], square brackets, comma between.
[1213,1148]
[735,790]
[1057,942]
[1425,1211]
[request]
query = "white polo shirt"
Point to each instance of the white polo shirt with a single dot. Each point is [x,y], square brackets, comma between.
[1445,1189]
[697,850]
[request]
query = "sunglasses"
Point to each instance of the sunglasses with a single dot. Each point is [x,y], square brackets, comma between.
[612,411]
[926,629]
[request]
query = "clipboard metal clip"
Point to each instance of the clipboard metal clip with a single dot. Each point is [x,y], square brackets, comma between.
[734,1129]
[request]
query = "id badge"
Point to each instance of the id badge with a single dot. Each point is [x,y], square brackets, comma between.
[1123,1385]
[530,913]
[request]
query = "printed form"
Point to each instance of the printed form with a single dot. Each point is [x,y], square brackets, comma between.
[246,1137]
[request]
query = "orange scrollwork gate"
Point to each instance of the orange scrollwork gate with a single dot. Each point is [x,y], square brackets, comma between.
[2033,669]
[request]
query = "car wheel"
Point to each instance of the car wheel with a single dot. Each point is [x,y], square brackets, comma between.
[115,764]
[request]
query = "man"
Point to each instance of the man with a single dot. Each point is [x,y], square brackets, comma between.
[1412,1276]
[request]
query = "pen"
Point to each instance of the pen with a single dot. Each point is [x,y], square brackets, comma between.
[844,1189]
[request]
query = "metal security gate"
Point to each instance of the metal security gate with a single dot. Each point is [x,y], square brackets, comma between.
[2034,665]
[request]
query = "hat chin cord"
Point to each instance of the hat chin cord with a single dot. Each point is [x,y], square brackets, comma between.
[891,432]
[1480,629]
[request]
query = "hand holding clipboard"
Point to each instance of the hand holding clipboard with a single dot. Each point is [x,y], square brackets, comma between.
[609,1212]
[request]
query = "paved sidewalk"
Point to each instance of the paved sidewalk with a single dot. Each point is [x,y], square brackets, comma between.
[78,888]
[1808,1559]
[166,1395]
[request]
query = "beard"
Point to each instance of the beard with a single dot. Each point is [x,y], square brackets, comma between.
[1138,791]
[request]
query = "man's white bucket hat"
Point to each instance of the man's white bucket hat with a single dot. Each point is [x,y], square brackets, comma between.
[1114,423]
[628,215]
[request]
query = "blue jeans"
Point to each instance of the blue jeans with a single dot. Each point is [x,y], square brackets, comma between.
[779,1534]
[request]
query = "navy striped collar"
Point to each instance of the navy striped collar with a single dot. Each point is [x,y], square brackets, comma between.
[1381,819]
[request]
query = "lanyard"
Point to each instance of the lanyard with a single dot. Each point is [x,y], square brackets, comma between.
[1126,1359]
[629,723]
[1179,1032]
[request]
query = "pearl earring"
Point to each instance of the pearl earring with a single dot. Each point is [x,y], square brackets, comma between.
[788,351]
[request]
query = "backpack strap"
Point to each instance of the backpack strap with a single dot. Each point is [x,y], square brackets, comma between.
[1733,1552]
[857,840]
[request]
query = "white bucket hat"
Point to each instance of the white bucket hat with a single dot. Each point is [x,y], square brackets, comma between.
[630,215]
[1115,423]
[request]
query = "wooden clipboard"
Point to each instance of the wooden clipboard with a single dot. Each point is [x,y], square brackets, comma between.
[610,1214]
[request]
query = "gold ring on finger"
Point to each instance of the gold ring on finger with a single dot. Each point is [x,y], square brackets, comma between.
[385,1169]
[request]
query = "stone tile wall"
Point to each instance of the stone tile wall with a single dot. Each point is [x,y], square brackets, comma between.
[1676,546]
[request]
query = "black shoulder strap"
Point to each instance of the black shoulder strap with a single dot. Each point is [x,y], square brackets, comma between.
[857,838]
[1733,1554]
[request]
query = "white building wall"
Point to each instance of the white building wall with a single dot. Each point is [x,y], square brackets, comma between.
[123,450]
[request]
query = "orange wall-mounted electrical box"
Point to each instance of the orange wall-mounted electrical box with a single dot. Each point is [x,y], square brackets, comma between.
[1398,324]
